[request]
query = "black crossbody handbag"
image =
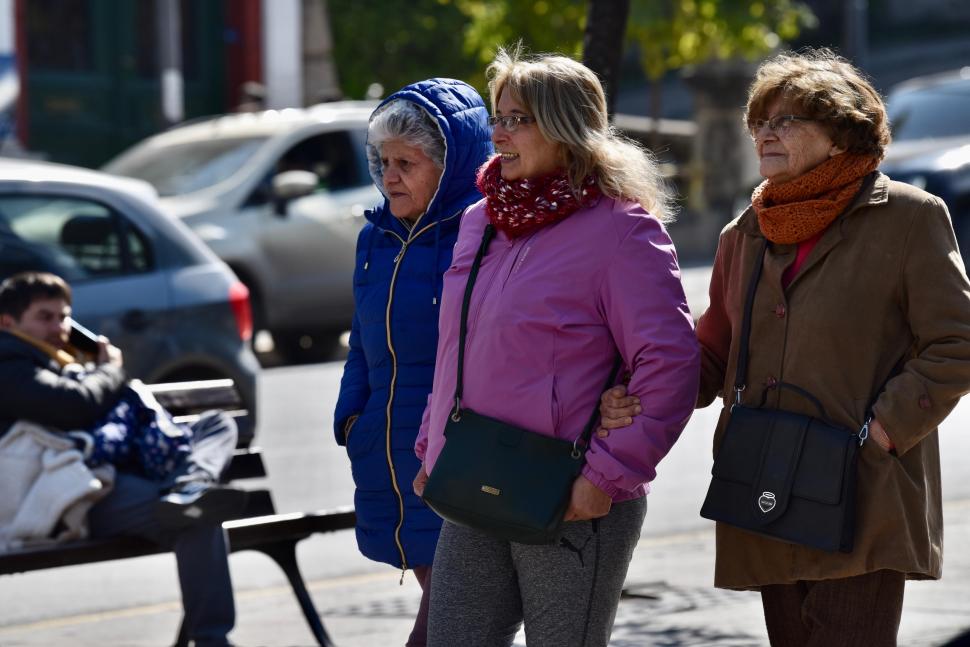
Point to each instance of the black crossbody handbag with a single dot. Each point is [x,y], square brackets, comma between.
[785,475]
[508,482]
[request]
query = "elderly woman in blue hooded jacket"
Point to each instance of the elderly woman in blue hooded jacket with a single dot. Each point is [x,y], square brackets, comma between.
[424,144]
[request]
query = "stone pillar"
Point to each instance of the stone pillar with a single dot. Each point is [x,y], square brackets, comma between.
[724,166]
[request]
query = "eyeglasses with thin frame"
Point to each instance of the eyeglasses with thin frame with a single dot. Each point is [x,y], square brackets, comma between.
[510,123]
[779,124]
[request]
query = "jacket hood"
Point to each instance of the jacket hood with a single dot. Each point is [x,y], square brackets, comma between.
[462,117]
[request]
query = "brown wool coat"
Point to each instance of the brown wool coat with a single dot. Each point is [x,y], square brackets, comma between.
[884,280]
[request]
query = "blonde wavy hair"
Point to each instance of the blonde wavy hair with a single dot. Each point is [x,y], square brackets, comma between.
[567,101]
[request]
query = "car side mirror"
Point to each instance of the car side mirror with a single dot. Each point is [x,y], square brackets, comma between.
[290,185]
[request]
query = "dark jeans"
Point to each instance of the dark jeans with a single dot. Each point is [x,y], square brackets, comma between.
[845,612]
[201,552]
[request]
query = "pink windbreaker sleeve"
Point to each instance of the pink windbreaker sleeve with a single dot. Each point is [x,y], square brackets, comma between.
[646,310]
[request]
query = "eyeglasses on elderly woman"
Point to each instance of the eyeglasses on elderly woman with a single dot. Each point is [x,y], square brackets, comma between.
[510,123]
[779,124]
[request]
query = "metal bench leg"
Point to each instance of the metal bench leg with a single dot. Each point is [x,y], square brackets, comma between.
[284,554]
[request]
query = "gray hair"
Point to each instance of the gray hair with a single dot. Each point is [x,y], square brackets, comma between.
[406,121]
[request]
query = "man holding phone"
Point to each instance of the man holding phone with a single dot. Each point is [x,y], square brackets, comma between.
[40,384]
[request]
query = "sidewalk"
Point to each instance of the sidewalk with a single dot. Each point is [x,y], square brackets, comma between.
[669,603]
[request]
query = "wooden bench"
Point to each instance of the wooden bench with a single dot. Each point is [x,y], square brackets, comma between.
[260,528]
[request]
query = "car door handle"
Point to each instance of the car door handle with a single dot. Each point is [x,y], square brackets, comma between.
[134,320]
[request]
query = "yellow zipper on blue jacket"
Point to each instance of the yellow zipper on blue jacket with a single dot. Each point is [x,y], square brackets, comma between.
[390,398]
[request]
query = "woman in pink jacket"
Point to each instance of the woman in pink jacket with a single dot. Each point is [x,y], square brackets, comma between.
[580,270]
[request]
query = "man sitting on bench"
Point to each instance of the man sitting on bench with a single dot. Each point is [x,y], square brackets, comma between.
[184,510]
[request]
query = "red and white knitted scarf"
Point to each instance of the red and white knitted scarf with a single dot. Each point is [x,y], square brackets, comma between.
[520,207]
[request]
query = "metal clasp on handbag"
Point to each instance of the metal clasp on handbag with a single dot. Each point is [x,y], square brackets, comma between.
[864,432]
[456,414]
[737,395]
[576,453]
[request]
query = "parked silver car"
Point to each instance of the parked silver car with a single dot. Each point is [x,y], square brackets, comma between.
[138,276]
[930,117]
[280,196]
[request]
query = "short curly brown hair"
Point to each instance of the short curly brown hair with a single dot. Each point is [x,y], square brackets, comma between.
[818,83]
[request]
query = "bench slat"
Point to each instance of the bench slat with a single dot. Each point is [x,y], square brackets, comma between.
[249,533]
[192,397]
[244,534]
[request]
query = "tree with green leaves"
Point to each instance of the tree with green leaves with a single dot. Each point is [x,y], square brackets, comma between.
[669,34]
[540,25]
[396,42]
[674,34]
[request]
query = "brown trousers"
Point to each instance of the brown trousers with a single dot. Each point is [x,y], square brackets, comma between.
[846,612]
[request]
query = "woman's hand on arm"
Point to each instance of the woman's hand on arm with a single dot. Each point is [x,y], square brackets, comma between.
[617,410]
[586,502]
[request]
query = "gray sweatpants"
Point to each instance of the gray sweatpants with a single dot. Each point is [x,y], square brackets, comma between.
[566,593]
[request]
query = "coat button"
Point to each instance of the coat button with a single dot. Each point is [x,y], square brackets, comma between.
[780,310]
[771,382]
[924,402]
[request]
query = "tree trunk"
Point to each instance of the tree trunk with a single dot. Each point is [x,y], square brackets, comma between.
[603,42]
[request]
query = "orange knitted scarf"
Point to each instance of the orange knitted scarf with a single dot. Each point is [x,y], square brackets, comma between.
[794,211]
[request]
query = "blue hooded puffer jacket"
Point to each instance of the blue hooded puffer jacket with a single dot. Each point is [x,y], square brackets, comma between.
[390,367]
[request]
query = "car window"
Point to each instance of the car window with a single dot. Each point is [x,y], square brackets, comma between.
[75,238]
[335,157]
[935,111]
[18,256]
[190,167]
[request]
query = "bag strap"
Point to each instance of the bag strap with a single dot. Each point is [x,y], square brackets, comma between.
[487,236]
[583,440]
[741,374]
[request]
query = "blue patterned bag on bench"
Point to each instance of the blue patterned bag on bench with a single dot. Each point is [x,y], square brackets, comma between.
[138,436]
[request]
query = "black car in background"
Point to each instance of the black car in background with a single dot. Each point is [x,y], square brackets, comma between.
[930,119]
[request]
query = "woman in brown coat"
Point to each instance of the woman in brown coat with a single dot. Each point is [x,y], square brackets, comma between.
[863,301]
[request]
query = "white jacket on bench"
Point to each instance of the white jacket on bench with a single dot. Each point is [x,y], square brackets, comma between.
[43,480]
